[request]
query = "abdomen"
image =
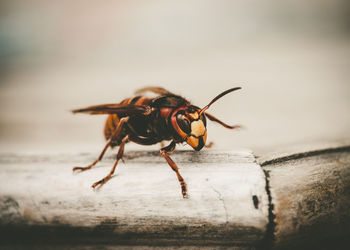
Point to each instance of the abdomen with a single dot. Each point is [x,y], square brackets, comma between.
[114,119]
[111,124]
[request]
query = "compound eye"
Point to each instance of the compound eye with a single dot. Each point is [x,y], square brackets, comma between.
[183,123]
[204,119]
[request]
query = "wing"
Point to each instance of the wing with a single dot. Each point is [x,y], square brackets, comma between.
[115,109]
[214,119]
[156,90]
[165,98]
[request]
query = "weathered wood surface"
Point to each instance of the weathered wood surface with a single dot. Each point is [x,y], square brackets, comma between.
[310,193]
[290,152]
[293,200]
[42,200]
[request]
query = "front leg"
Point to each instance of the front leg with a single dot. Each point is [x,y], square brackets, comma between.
[168,150]
[214,119]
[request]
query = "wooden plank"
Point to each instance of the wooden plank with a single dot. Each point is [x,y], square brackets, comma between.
[142,204]
[297,151]
[311,199]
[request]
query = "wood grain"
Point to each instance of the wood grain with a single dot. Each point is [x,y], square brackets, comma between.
[311,199]
[142,204]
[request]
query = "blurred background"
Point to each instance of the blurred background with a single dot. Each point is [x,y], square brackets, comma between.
[291,57]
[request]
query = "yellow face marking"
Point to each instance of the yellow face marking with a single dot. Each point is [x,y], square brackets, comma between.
[192,141]
[194,116]
[197,128]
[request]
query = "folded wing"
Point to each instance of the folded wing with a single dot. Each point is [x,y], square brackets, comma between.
[127,109]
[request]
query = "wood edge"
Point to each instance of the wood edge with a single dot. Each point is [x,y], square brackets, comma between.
[275,158]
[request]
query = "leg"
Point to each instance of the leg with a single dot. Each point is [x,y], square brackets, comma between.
[214,119]
[209,145]
[115,132]
[119,156]
[167,150]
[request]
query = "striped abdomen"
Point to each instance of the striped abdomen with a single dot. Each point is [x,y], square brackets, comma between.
[114,119]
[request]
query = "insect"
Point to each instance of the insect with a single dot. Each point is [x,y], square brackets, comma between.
[147,121]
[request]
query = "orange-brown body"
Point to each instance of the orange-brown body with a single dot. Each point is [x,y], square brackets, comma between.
[113,120]
[148,121]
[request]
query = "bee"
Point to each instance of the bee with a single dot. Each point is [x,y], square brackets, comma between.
[147,121]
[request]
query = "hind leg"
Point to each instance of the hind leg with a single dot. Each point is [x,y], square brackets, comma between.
[116,132]
[119,156]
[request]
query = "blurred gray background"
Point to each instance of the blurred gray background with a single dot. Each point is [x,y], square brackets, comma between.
[291,57]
